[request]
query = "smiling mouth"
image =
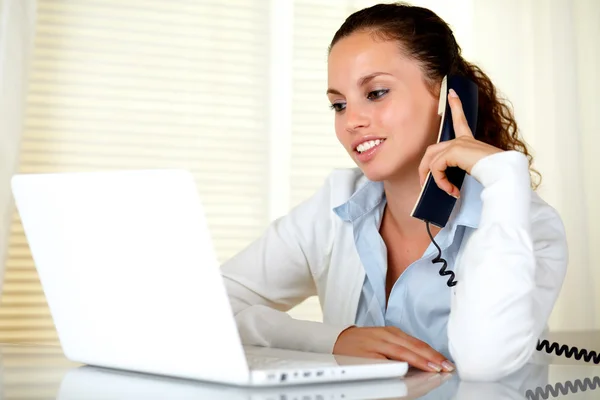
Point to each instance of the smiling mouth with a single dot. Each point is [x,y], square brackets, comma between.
[366,146]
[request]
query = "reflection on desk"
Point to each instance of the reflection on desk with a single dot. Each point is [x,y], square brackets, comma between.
[42,372]
[97,383]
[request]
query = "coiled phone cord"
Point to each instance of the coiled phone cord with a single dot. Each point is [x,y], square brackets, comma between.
[438,259]
[570,352]
[564,389]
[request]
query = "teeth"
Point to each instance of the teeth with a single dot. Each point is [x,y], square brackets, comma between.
[368,145]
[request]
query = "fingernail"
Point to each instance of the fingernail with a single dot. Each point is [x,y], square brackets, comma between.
[452,93]
[434,367]
[448,366]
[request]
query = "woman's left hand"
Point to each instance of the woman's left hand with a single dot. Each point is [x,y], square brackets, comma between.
[463,152]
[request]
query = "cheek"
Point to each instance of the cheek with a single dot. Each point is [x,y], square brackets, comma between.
[400,120]
[342,134]
[409,124]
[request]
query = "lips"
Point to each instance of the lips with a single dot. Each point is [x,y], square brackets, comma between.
[366,146]
[365,139]
[367,150]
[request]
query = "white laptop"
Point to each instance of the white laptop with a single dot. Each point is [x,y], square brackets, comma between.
[132,281]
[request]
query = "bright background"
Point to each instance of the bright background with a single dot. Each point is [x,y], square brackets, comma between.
[234,90]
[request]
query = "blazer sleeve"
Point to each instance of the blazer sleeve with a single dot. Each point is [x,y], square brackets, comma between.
[276,272]
[509,276]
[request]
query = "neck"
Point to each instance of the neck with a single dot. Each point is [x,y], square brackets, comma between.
[401,195]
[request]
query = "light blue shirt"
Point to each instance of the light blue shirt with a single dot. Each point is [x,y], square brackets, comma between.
[419,303]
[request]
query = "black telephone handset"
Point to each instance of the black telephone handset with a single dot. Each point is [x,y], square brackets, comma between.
[435,205]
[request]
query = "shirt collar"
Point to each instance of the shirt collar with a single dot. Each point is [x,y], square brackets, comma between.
[366,198]
[371,195]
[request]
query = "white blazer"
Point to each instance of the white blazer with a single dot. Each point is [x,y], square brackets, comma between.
[510,271]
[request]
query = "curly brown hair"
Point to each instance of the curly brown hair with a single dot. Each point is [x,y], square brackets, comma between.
[428,39]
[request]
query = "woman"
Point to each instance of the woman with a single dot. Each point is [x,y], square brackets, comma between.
[355,245]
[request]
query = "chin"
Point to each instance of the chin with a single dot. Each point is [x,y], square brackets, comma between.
[384,168]
[377,173]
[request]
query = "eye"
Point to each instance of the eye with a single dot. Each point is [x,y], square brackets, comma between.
[377,94]
[338,107]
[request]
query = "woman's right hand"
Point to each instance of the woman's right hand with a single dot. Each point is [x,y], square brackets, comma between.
[390,343]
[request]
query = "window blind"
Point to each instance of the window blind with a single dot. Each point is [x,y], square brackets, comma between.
[145,84]
[162,84]
[315,148]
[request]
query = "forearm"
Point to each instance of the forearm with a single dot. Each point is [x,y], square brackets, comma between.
[492,327]
[263,326]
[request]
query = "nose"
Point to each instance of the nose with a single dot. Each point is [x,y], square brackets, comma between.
[356,118]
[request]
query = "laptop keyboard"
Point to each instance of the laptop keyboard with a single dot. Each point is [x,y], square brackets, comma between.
[265,362]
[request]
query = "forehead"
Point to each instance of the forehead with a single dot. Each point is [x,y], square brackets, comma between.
[360,54]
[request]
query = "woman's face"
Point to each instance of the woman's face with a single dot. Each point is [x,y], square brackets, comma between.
[385,115]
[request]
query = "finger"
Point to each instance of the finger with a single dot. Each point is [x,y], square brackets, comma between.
[400,353]
[424,350]
[417,346]
[421,348]
[438,170]
[459,121]
[376,356]
[430,154]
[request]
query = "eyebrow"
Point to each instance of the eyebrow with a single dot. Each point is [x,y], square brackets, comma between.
[361,82]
